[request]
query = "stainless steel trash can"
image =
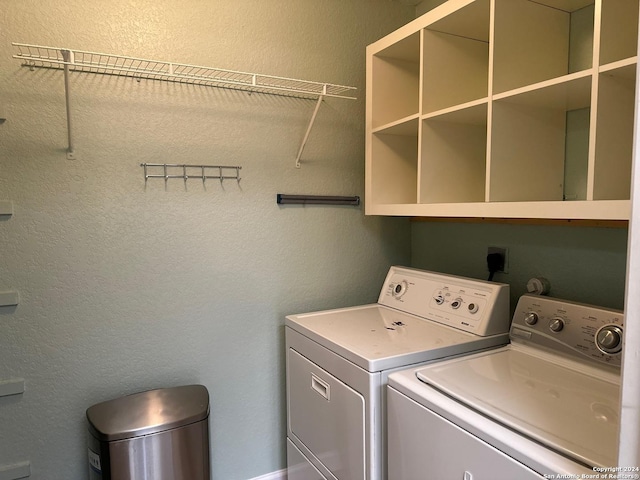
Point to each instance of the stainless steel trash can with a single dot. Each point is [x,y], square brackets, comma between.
[155,435]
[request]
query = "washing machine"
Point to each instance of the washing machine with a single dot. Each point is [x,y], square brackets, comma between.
[338,362]
[544,406]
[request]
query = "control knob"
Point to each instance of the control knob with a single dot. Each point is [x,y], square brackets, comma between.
[399,289]
[556,325]
[609,339]
[531,318]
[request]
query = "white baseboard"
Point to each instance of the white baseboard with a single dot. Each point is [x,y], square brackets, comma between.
[279,475]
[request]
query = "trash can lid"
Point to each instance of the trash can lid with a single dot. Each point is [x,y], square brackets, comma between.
[148,412]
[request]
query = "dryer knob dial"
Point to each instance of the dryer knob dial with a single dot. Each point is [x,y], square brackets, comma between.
[399,289]
[609,339]
[531,318]
[556,325]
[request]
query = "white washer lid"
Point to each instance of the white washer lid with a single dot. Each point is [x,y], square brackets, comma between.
[378,338]
[571,411]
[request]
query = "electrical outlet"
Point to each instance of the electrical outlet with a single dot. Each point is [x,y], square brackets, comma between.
[504,251]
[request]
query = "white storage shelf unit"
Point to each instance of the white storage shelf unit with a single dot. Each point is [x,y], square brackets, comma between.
[504,108]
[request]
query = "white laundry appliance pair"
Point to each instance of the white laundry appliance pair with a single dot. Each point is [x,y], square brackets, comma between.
[338,363]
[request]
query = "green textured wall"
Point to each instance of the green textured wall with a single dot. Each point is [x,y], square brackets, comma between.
[126,285]
[584,264]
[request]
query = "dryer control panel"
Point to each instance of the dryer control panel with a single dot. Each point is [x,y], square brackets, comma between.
[571,328]
[471,305]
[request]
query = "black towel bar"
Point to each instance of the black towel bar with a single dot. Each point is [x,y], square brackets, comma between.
[283,199]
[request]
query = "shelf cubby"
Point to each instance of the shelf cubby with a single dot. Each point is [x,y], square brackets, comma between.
[618,30]
[576,162]
[538,41]
[396,81]
[528,140]
[453,171]
[614,137]
[456,58]
[394,167]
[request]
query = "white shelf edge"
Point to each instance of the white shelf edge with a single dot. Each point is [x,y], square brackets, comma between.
[396,123]
[456,108]
[11,387]
[619,64]
[6,207]
[542,85]
[9,298]
[569,210]
[16,471]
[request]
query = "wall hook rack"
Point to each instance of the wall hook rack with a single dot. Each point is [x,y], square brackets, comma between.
[185,172]
[68,60]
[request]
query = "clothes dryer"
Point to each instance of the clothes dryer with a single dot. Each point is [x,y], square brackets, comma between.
[338,362]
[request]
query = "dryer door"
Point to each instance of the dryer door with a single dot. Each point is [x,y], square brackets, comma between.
[328,417]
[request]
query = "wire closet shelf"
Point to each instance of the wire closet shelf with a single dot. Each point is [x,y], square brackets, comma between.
[67,60]
[139,68]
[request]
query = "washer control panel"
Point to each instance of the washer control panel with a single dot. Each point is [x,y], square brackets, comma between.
[572,328]
[472,305]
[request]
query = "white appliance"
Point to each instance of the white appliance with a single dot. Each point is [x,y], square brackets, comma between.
[338,362]
[545,406]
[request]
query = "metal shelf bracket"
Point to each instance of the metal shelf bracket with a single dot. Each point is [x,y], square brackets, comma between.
[306,135]
[67,55]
